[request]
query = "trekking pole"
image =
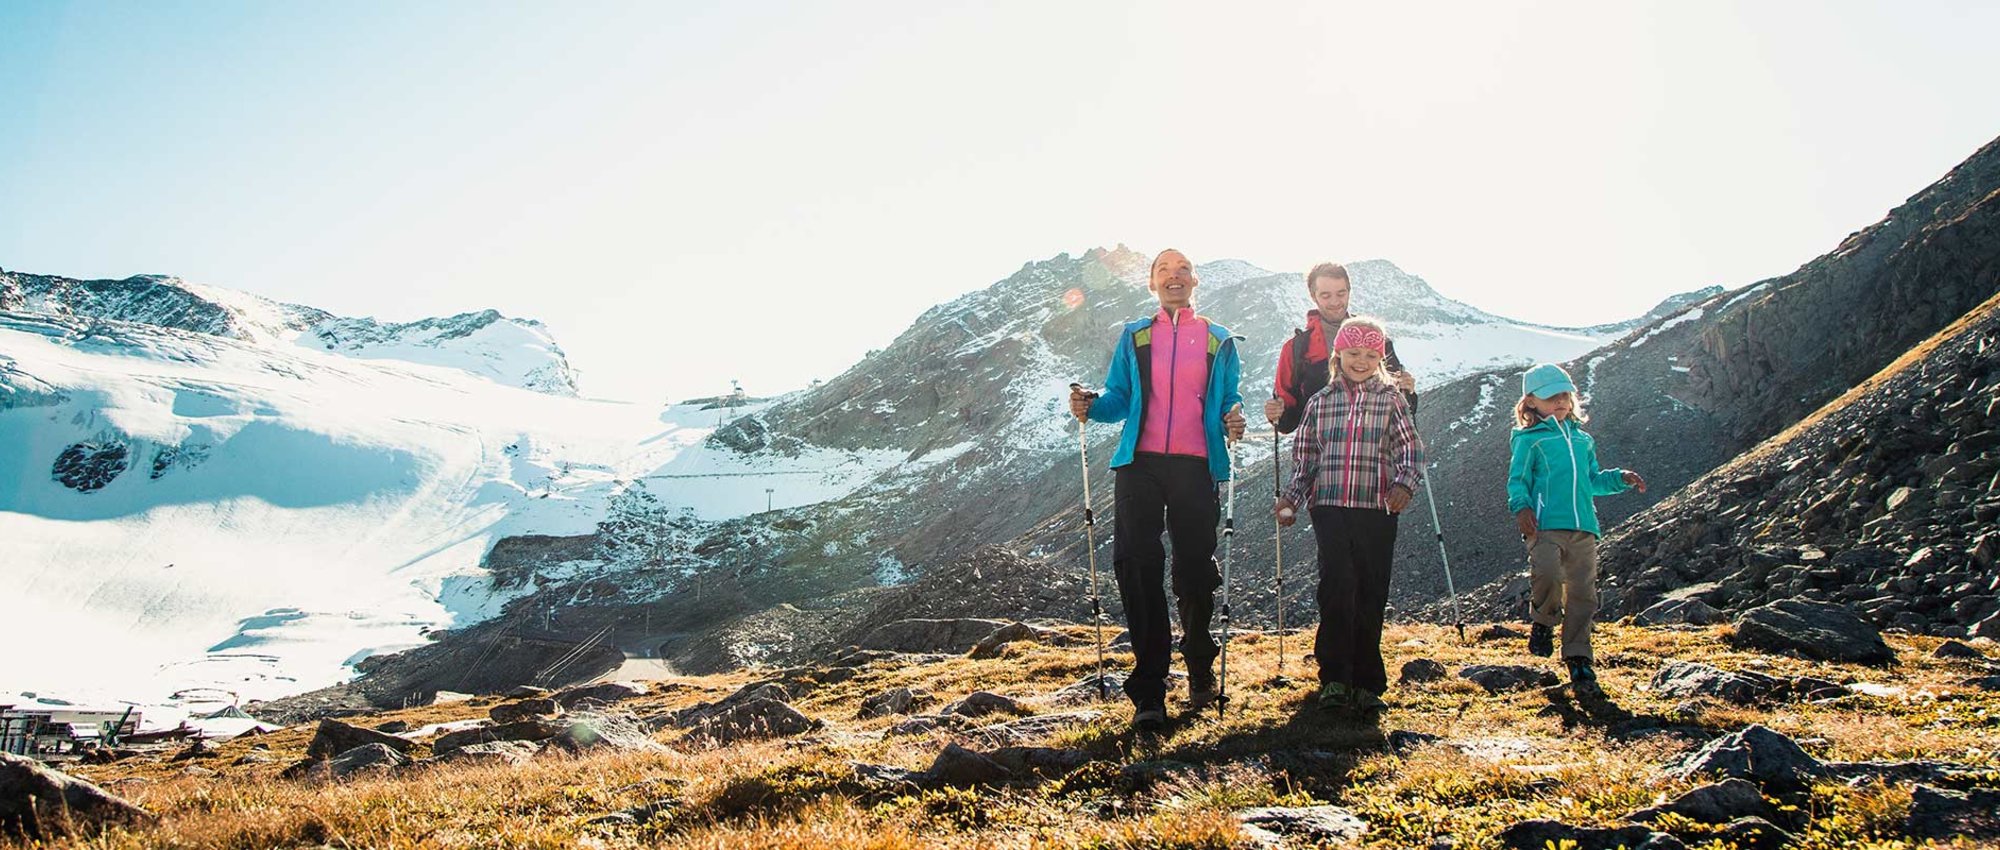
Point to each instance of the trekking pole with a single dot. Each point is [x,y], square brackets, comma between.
[1228,560]
[1278,538]
[1444,557]
[1090,550]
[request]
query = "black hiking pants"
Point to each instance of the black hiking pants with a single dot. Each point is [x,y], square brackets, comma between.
[1174,494]
[1355,549]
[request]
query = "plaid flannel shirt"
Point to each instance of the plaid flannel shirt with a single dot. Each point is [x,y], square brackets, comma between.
[1354,442]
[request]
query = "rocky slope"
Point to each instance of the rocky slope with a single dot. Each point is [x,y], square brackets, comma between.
[1885,498]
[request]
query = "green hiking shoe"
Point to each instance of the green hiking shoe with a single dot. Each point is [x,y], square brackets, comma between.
[1334,696]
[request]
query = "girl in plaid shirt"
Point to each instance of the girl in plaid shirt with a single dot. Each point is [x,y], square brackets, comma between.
[1356,462]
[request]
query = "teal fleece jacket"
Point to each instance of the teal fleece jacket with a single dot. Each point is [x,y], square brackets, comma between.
[1122,400]
[1554,471]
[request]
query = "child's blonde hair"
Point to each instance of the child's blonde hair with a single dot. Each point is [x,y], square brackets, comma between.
[1526,416]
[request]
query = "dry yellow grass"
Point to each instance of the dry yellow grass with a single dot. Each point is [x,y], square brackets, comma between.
[1547,757]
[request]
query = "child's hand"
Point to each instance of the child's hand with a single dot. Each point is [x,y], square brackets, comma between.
[1287,514]
[1633,479]
[1525,518]
[1399,498]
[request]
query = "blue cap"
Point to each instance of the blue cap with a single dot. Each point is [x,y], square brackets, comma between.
[1547,380]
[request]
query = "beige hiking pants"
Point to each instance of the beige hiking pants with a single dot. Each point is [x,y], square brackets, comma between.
[1562,573]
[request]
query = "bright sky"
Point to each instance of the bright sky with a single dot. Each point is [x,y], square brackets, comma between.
[692,192]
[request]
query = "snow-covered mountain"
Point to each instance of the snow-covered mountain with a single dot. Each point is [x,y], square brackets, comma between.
[514,352]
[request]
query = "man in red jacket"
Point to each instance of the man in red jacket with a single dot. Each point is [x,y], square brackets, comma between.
[1302,363]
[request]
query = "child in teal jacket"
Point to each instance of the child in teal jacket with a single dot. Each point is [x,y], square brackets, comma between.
[1552,477]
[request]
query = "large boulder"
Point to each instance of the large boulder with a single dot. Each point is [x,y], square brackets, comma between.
[1820,630]
[1944,814]
[366,760]
[607,731]
[758,717]
[958,766]
[993,644]
[334,737]
[527,709]
[1756,753]
[1676,611]
[918,635]
[491,753]
[897,701]
[982,703]
[537,729]
[38,803]
[1719,802]
[1683,679]
[603,693]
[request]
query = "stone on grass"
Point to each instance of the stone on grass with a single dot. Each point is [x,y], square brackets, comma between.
[39,803]
[1422,670]
[1542,834]
[537,729]
[993,644]
[1756,753]
[982,703]
[509,712]
[1720,802]
[1944,814]
[603,693]
[1675,611]
[1311,826]
[1683,679]
[1496,678]
[753,719]
[1818,630]
[960,767]
[334,737]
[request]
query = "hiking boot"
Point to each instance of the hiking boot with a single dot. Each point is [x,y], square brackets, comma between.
[1149,719]
[1202,691]
[1368,702]
[1542,640]
[1582,679]
[1334,696]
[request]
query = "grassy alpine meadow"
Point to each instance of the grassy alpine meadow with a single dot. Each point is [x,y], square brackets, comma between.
[1497,759]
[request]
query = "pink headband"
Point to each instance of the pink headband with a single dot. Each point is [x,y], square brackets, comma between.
[1360,336]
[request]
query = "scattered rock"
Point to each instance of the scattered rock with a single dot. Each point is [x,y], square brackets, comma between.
[540,729]
[1943,814]
[502,753]
[960,767]
[198,772]
[1984,683]
[1422,670]
[1756,753]
[982,703]
[1683,679]
[252,758]
[1496,678]
[1309,825]
[1672,611]
[1542,834]
[449,697]
[39,803]
[527,692]
[604,693]
[1499,632]
[394,727]
[1810,688]
[758,717]
[638,814]
[1820,630]
[898,701]
[1954,650]
[527,709]
[882,774]
[366,760]
[991,645]
[1048,762]
[955,636]
[586,732]
[1402,741]
[1720,802]
[334,737]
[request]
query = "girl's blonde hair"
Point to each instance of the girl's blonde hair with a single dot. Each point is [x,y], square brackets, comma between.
[1373,324]
[1526,416]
